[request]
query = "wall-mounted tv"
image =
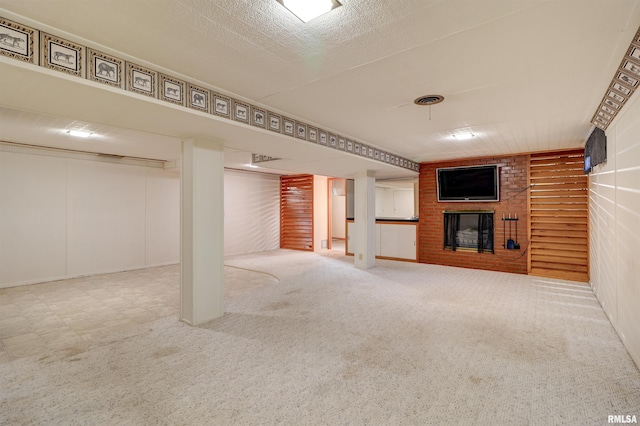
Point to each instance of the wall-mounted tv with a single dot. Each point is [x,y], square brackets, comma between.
[475,183]
[595,150]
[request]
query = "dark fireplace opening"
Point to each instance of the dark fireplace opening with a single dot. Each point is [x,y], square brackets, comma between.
[468,230]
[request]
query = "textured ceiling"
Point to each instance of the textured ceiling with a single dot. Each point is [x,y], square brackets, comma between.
[522,75]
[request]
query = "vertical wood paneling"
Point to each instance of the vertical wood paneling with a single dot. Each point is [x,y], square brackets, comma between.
[559,214]
[296,212]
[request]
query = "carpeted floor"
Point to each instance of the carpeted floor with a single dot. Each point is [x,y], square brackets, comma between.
[400,344]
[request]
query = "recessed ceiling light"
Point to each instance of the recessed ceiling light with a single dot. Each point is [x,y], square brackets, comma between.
[79,133]
[463,136]
[307,10]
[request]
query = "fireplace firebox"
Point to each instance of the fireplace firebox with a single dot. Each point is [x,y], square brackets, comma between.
[469,231]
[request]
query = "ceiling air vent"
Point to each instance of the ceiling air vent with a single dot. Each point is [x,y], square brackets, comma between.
[429,100]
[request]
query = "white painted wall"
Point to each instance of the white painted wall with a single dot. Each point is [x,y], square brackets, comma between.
[251,212]
[394,202]
[403,203]
[384,202]
[338,216]
[63,217]
[320,211]
[614,202]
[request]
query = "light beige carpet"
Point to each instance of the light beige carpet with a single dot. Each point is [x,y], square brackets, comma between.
[400,344]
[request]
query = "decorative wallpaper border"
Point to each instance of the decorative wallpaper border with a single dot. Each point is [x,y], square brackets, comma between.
[62,55]
[18,42]
[172,90]
[105,69]
[40,48]
[240,111]
[624,83]
[222,106]
[275,122]
[142,80]
[198,98]
[258,158]
[258,117]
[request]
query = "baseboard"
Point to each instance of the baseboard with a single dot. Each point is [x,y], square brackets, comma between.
[68,277]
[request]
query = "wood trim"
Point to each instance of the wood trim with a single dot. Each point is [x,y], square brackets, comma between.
[530,216]
[399,259]
[329,212]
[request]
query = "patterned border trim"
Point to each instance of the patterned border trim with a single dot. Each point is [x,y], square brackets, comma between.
[240,111]
[313,134]
[275,122]
[172,90]
[322,137]
[17,41]
[141,80]
[301,130]
[62,55]
[105,68]
[342,144]
[258,117]
[40,48]
[198,98]
[288,126]
[222,105]
[623,84]
[333,141]
[258,158]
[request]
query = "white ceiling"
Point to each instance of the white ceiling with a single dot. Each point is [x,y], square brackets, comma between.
[522,75]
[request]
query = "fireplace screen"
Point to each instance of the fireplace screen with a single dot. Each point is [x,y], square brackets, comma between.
[469,231]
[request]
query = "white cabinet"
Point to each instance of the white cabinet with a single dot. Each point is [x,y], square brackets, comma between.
[398,241]
[394,240]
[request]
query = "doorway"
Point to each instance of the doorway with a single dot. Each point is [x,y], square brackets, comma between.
[337,212]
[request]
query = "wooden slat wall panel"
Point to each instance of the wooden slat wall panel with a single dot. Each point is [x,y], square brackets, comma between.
[296,212]
[559,209]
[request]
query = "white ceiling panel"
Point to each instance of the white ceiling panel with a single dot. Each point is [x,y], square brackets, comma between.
[521,75]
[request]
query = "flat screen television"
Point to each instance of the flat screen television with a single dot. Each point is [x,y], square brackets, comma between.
[595,150]
[475,183]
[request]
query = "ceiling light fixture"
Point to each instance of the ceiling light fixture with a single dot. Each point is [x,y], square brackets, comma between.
[464,136]
[307,10]
[79,133]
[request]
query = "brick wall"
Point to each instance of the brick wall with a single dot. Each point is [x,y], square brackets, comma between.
[513,199]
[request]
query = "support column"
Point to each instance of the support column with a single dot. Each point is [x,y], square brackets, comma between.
[202,231]
[365,219]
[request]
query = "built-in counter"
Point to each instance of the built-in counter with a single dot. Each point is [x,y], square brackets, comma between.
[395,238]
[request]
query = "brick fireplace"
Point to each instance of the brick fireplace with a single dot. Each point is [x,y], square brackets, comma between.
[513,203]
